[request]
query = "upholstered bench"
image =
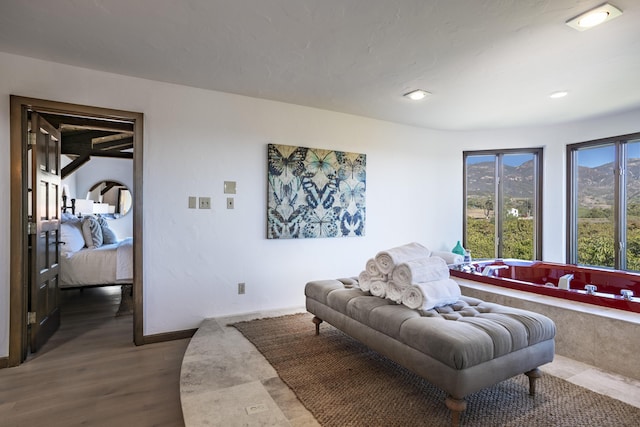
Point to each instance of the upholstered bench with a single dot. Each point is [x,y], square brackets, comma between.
[461,348]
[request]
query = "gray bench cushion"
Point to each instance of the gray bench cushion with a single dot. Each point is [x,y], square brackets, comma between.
[462,335]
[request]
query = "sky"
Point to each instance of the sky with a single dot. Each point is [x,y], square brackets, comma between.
[590,157]
[508,159]
[599,156]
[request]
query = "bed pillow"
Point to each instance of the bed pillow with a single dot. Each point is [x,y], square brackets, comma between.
[108,235]
[71,235]
[92,232]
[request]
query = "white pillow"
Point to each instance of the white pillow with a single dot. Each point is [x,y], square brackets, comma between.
[71,235]
[92,232]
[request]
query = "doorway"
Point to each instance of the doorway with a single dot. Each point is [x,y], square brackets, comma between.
[20,323]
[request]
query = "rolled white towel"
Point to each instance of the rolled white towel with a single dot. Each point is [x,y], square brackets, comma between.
[428,295]
[387,260]
[448,257]
[394,291]
[420,270]
[365,280]
[378,288]
[372,268]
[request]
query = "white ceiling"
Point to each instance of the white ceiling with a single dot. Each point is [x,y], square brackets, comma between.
[488,63]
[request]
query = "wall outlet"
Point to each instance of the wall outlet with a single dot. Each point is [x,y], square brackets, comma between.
[241,288]
[257,408]
[230,203]
[205,202]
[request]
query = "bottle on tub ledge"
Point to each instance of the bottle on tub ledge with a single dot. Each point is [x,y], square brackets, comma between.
[459,250]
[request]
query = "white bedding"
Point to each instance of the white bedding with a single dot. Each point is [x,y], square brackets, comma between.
[107,264]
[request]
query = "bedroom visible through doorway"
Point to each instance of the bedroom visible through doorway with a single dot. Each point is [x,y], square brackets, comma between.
[109,224]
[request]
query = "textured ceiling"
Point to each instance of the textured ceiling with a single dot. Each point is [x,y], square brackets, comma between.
[488,63]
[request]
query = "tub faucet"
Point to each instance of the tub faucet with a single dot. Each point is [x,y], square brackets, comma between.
[591,289]
[490,270]
[564,281]
[627,294]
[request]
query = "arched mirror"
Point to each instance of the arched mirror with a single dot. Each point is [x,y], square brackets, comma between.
[111,199]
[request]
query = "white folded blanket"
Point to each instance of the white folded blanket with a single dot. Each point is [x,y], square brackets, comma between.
[387,260]
[420,270]
[124,260]
[428,295]
[378,288]
[449,257]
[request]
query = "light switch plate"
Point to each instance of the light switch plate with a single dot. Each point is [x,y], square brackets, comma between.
[229,187]
[205,202]
[230,203]
[192,202]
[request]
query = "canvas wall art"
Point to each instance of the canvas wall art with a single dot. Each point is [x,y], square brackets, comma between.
[315,193]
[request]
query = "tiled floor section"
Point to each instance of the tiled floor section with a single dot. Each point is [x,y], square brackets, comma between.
[226,381]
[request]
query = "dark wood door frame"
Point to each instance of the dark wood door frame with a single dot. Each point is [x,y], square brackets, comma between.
[19,245]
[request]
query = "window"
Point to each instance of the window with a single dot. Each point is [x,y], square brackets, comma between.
[604,203]
[502,203]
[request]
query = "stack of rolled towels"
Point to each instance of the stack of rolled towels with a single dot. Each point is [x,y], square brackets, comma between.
[411,275]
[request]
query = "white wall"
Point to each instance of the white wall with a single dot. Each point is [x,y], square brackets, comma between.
[69,181]
[194,140]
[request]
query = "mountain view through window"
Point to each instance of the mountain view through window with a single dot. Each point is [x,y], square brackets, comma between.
[500,208]
[607,192]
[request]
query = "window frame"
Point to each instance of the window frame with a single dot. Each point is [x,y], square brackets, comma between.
[619,203]
[499,154]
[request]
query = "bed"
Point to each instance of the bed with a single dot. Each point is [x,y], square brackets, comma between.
[105,265]
[91,255]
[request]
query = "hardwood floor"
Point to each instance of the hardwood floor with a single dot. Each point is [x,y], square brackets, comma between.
[91,373]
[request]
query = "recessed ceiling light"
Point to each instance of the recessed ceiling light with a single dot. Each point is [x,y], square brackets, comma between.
[559,94]
[417,95]
[593,17]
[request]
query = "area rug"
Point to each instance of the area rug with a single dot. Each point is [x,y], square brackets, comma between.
[343,383]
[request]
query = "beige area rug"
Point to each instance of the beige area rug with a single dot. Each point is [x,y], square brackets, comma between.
[343,383]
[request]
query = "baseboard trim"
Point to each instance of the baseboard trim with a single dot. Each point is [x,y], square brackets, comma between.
[169,336]
[4,362]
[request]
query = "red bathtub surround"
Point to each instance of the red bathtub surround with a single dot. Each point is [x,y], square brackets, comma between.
[542,278]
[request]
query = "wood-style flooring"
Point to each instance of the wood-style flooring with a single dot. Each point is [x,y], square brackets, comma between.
[90,372]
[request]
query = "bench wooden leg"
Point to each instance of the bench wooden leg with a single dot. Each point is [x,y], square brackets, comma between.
[317,321]
[533,375]
[456,406]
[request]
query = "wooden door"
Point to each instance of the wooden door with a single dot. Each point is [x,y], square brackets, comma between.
[44,227]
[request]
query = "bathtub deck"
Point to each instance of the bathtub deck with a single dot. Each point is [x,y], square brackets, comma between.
[602,337]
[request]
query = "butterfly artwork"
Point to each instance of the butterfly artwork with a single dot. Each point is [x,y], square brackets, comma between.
[321,162]
[352,193]
[352,166]
[284,223]
[352,224]
[321,222]
[319,196]
[281,193]
[286,162]
[314,193]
